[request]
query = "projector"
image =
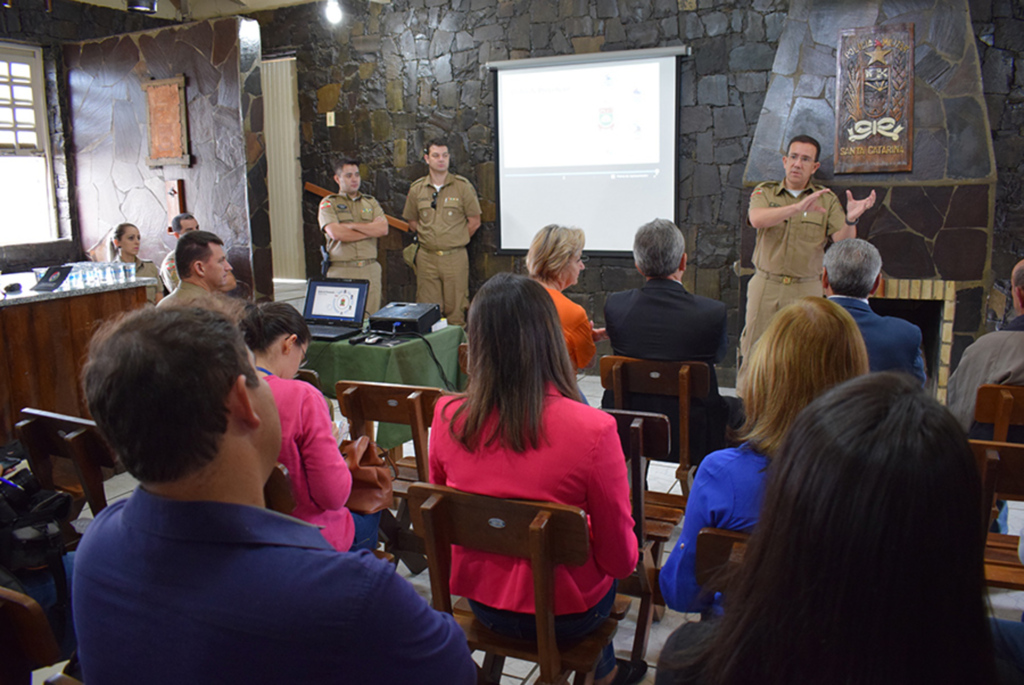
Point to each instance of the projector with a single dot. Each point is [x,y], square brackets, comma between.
[406,317]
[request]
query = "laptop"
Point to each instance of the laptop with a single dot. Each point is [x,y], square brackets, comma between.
[335,307]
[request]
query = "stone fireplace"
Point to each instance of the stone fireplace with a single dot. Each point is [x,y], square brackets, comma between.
[930,304]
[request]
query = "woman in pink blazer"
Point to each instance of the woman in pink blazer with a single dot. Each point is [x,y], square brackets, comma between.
[519,432]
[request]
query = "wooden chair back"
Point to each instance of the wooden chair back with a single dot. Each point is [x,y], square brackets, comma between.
[47,435]
[277,492]
[1009,476]
[313,378]
[1002,406]
[643,435]
[683,380]
[26,640]
[986,459]
[547,534]
[718,550]
[363,403]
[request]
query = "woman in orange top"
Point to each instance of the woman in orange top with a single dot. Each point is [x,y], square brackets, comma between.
[555,260]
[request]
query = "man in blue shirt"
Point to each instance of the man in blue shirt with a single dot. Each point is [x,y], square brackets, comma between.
[191,579]
[852,271]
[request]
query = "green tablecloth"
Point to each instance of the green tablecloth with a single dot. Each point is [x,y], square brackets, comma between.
[409,364]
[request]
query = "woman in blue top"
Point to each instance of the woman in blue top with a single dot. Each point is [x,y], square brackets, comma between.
[809,347]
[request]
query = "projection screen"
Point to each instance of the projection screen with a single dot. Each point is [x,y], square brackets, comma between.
[589,144]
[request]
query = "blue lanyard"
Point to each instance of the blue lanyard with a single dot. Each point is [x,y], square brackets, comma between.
[260,368]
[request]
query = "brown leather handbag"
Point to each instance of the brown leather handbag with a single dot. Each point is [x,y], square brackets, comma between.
[371,477]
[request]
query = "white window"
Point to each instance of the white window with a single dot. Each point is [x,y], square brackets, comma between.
[26,181]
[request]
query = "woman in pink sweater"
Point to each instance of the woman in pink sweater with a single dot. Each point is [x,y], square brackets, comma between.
[278,337]
[519,432]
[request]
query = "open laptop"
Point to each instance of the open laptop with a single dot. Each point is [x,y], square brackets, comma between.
[335,307]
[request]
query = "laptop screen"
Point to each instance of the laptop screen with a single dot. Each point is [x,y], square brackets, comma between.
[336,301]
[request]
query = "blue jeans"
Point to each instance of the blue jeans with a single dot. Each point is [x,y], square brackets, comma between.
[366,531]
[567,627]
[1008,641]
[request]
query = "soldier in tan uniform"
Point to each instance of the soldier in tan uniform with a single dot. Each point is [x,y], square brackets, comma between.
[794,219]
[442,208]
[352,222]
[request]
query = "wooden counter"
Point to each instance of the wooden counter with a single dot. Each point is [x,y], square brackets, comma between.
[45,339]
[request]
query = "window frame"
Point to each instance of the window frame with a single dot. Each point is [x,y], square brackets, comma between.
[47,87]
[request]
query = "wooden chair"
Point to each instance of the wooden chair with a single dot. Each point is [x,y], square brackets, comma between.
[67,453]
[26,640]
[718,550]
[464,358]
[643,435]
[1002,406]
[363,404]
[1003,478]
[545,533]
[683,380]
[277,492]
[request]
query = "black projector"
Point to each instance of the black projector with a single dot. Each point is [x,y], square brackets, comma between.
[406,317]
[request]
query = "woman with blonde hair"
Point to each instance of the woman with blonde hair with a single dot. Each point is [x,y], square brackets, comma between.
[555,260]
[809,347]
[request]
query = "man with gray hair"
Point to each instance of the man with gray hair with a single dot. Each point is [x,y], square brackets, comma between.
[663,322]
[852,272]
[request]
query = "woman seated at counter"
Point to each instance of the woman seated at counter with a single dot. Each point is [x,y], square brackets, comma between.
[126,241]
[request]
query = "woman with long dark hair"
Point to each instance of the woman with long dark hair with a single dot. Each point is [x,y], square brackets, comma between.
[809,347]
[866,566]
[520,433]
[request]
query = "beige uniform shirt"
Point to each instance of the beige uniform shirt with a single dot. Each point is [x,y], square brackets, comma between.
[187,295]
[343,209]
[442,216]
[796,247]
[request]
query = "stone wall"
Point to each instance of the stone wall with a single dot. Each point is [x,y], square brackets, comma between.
[999,29]
[29,22]
[225,182]
[398,74]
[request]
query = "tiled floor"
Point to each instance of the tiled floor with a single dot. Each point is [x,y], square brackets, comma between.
[1005,603]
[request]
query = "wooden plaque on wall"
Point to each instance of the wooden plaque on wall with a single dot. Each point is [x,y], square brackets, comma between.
[875,99]
[168,125]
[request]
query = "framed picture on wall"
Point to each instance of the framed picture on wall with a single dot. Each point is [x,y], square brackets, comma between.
[168,122]
[875,99]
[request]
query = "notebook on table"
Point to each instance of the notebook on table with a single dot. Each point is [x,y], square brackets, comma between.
[335,307]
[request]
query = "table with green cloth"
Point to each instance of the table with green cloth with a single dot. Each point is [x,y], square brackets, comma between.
[409,363]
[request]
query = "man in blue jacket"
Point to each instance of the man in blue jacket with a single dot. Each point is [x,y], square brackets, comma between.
[852,272]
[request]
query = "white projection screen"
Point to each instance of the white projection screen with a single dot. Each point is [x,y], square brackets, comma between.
[586,144]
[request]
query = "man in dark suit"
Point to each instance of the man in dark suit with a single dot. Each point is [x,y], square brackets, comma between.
[853,272]
[663,322]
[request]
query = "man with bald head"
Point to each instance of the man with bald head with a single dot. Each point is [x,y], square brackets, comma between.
[994,358]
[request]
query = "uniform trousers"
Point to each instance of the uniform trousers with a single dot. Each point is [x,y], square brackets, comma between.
[444,279]
[764,298]
[370,272]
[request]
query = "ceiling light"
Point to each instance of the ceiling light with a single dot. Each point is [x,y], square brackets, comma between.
[142,6]
[333,11]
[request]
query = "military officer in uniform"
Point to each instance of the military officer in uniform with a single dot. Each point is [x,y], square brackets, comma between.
[794,219]
[352,222]
[442,208]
